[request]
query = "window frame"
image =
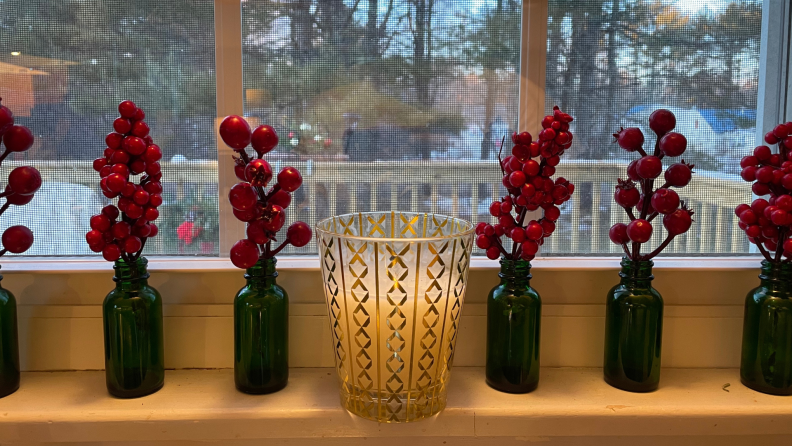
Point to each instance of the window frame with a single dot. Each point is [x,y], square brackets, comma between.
[773,105]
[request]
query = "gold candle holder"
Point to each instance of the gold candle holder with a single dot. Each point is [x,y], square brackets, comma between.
[394,285]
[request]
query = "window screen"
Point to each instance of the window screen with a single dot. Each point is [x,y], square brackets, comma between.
[403,104]
[610,63]
[64,67]
[385,105]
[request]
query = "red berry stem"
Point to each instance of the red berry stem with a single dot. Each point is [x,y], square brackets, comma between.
[140,251]
[652,216]
[274,252]
[272,191]
[502,250]
[630,213]
[662,246]
[765,253]
[5,155]
[520,224]
[259,190]
[782,233]
[500,152]
[5,207]
[641,151]
[626,250]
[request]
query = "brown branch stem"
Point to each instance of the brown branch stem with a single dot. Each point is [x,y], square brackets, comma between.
[275,251]
[659,248]
[764,252]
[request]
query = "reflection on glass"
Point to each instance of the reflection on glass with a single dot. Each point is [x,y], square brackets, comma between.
[426,90]
[385,104]
[64,67]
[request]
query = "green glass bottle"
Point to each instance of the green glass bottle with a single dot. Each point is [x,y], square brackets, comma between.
[134,353]
[261,332]
[9,344]
[514,312]
[766,364]
[633,329]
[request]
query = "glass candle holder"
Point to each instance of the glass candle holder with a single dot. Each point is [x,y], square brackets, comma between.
[394,285]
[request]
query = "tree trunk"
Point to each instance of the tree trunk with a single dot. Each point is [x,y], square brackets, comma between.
[612,71]
[372,31]
[301,30]
[490,79]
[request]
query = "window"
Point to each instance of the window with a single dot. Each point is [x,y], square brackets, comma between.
[64,67]
[610,63]
[384,104]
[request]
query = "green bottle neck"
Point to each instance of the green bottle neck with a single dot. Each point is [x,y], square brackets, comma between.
[131,276]
[636,274]
[776,276]
[262,274]
[515,273]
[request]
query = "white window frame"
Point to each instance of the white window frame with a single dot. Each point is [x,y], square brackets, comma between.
[773,105]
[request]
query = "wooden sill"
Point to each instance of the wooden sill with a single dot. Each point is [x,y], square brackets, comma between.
[202,405]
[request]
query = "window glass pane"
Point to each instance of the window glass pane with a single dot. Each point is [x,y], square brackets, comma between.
[64,67]
[384,104]
[610,63]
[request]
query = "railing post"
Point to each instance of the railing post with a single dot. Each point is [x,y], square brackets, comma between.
[596,231]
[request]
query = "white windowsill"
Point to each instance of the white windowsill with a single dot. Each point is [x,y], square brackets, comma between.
[202,405]
[311,263]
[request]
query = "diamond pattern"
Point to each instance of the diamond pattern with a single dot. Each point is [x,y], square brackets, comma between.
[394,308]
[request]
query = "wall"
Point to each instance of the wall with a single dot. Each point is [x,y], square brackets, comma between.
[61,326]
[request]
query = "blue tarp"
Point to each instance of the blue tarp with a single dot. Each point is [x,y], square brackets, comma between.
[721,120]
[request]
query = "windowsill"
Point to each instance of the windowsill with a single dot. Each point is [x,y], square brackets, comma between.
[61,265]
[203,405]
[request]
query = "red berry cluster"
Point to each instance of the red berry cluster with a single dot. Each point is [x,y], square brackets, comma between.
[767,221]
[130,151]
[663,200]
[23,181]
[263,211]
[529,187]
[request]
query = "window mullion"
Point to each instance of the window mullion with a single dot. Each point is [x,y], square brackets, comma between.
[772,99]
[228,66]
[533,56]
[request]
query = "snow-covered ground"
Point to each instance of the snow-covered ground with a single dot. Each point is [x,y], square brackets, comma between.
[59,216]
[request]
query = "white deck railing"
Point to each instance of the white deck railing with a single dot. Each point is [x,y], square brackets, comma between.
[464,189]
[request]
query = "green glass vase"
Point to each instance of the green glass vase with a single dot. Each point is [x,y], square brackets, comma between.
[134,353]
[9,344]
[766,364]
[261,332]
[514,312]
[633,330]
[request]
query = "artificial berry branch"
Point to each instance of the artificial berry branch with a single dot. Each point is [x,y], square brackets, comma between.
[120,231]
[264,212]
[766,221]
[650,202]
[527,176]
[23,182]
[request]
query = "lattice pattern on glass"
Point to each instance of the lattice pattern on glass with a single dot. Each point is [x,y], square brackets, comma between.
[64,67]
[394,285]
